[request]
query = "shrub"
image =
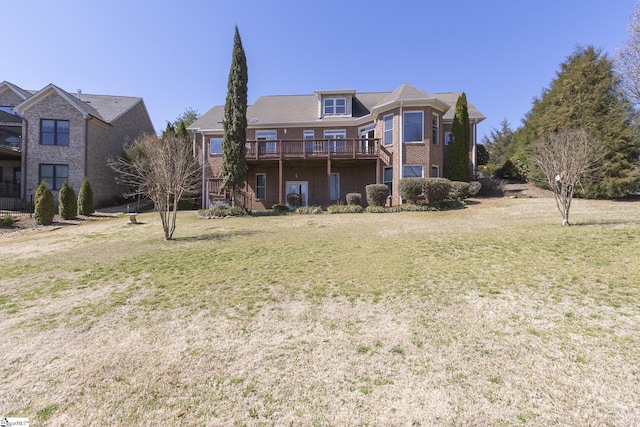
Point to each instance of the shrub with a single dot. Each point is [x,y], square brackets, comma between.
[377,194]
[459,190]
[436,189]
[44,208]
[309,210]
[67,202]
[85,199]
[221,212]
[218,204]
[333,209]
[294,200]
[474,188]
[376,209]
[8,220]
[354,199]
[411,189]
[280,209]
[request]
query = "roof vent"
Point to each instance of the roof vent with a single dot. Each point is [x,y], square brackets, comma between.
[80,94]
[253,120]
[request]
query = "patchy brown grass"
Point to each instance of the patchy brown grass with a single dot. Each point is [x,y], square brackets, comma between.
[491,315]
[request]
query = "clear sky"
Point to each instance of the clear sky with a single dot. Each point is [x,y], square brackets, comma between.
[177,54]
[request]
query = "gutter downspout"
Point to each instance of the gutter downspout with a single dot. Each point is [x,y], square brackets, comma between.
[474,165]
[23,158]
[400,150]
[204,195]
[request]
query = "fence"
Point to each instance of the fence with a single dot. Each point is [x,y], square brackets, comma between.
[15,206]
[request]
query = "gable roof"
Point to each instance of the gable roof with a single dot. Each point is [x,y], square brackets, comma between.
[303,109]
[17,90]
[106,108]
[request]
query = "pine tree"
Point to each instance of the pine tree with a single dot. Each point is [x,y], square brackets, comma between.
[234,162]
[67,202]
[586,94]
[44,208]
[456,166]
[85,199]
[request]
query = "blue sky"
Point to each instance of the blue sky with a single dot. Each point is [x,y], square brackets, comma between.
[176,55]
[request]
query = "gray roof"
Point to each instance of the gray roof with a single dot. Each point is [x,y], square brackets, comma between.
[292,109]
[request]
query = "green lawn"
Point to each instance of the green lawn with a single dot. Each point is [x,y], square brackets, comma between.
[489,315]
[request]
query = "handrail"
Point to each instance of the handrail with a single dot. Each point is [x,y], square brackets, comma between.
[356,148]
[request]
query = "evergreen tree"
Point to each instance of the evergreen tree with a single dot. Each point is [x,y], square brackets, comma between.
[586,94]
[456,166]
[499,144]
[44,209]
[234,162]
[67,202]
[85,199]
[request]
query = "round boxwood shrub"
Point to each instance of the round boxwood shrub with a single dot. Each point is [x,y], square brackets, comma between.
[377,194]
[459,190]
[294,200]
[280,209]
[67,202]
[411,189]
[354,199]
[44,208]
[85,199]
[436,190]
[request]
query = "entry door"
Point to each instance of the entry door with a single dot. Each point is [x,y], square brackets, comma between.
[299,187]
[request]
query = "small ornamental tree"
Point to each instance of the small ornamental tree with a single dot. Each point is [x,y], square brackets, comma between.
[85,199]
[44,209]
[67,202]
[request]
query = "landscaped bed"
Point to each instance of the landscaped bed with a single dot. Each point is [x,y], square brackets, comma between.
[489,315]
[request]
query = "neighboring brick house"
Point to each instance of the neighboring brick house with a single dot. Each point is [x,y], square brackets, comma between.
[56,136]
[330,143]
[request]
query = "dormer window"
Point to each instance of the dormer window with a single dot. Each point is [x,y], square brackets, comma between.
[332,106]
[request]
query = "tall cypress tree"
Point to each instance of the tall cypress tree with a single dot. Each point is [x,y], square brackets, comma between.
[586,94]
[234,162]
[456,166]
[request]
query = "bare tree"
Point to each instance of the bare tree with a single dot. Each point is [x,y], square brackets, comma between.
[565,158]
[628,58]
[163,170]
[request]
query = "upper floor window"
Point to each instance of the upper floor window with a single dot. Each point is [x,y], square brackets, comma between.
[54,132]
[334,106]
[387,130]
[413,126]
[215,146]
[435,125]
[54,175]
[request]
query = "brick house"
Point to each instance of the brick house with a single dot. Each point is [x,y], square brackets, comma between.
[56,136]
[330,143]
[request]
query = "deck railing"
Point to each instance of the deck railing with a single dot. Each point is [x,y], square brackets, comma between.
[354,148]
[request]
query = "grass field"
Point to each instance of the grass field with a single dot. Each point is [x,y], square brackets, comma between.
[490,315]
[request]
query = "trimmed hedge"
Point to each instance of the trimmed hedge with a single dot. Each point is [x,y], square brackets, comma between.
[459,190]
[334,209]
[411,189]
[437,190]
[67,202]
[85,199]
[354,199]
[377,194]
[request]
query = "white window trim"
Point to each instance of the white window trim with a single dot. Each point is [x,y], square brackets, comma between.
[267,135]
[447,138]
[437,168]
[334,105]
[265,186]
[388,182]
[384,130]
[407,166]
[404,113]
[435,126]
[221,139]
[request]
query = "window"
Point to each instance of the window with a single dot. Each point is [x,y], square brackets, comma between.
[215,146]
[435,171]
[387,178]
[261,186]
[435,133]
[54,132]
[387,130]
[412,126]
[54,175]
[335,187]
[336,142]
[335,106]
[270,136]
[447,138]
[309,136]
[412,171]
